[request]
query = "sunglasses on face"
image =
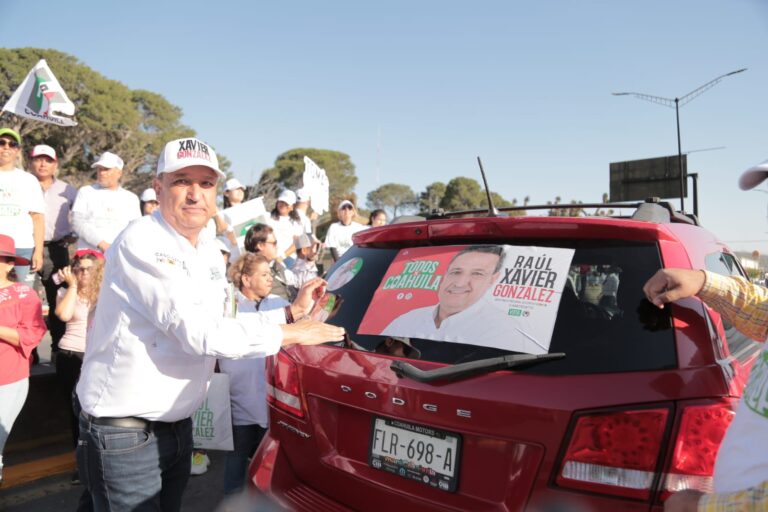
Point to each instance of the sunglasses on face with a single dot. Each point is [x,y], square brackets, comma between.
[10,143]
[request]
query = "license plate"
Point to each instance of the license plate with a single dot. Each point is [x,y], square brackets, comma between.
[416,452]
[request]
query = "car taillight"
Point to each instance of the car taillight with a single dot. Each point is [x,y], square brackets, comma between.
[702,428]
[283,389]
[615,453]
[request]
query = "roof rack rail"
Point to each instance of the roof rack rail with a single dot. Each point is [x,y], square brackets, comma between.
[652,210]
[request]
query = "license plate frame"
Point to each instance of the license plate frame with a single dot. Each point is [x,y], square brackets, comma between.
[393,457]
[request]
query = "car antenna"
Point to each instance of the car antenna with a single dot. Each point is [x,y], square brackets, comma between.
[492,211]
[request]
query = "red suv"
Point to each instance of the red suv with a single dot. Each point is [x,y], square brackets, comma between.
[627,404]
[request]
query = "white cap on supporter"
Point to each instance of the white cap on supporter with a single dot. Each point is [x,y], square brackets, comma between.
[344,203]
[302,195]
[233,184]
[305,240]
[43,150]
[109,160]
[288,197]
[181,153]
[148,195]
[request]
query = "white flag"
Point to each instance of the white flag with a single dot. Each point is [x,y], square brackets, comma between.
[40,97]
[316,181]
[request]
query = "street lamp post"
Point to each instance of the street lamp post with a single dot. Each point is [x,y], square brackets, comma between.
[679,102]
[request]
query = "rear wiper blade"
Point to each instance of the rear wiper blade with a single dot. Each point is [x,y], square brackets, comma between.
[466,370]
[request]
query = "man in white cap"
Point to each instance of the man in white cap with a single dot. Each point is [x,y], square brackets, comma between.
[104,209]
[158,328]
[59,196]
[741,470]
[339,236]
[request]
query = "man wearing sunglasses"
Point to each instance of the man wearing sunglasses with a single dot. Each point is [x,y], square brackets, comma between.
[21,205]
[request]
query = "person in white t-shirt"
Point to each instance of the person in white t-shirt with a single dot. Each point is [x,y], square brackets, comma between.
[252,276]
[234,193]
[285,222]
[302,209]
[102,210]
[148,200]
[22,206]
[339,236]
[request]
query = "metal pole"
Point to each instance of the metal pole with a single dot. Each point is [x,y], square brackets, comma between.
[695,179]
[680,157]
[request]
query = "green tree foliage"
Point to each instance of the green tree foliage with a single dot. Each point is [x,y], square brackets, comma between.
[289,168]
[463,194]
[430,199]
[392,197]
[467,194]
[135,124]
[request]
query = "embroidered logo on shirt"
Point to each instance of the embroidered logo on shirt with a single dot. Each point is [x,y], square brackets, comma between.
[167,259]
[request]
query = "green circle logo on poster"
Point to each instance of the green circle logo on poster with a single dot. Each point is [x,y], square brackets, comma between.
[344,273]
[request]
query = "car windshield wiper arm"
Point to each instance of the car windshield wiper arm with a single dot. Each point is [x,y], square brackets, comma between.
[465,370]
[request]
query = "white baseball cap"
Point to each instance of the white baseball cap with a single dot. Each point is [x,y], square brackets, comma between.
[288,197]
[148,195]
[344,203]
[305,240]
[233,184]
[43,150]
[181,153]
[302,195]
[109,160]
[753,176]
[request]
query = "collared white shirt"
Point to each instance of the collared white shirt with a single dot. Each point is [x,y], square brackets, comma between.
[101,214]
[480,324]
[159,326]
[247,381]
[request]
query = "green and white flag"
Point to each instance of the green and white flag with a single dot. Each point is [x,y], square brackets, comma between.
[40,97]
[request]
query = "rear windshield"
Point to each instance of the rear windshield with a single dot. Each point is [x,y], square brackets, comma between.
[604,323]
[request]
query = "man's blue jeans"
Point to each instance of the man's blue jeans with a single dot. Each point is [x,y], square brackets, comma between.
[135,469]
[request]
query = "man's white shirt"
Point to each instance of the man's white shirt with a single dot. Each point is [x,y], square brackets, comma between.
[159,326]
[101,214]
[480,324]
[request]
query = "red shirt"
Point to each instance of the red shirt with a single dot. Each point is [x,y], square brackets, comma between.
[20,309]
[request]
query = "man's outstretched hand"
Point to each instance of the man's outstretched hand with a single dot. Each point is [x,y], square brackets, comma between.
[671,284]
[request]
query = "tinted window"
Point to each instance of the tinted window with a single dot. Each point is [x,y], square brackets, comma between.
[604,323]
[741,347]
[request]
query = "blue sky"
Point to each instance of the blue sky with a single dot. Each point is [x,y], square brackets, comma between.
[414,91]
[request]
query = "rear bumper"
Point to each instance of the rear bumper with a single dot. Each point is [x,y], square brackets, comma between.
[271,474]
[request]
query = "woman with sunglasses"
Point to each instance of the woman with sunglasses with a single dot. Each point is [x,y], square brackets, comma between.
[23,205]
[74,303]
[21,328]
[339,236]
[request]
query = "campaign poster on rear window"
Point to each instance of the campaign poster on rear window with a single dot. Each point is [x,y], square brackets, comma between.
[500,296]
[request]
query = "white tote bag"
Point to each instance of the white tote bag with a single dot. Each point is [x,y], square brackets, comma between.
[212,421]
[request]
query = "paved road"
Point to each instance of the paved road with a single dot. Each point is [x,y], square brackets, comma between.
[204,493]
